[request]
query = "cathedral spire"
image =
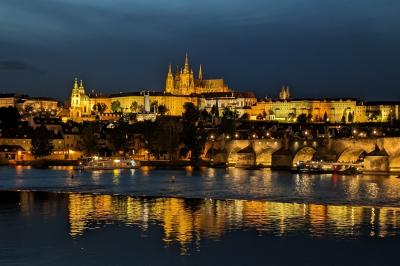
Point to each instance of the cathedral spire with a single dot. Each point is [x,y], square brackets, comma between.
[81,84]
[200,73]
[169,69]
[186,68]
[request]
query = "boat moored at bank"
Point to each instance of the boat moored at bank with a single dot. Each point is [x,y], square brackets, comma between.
[106,163]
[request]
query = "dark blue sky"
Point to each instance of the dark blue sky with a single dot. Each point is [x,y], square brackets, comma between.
[321,48]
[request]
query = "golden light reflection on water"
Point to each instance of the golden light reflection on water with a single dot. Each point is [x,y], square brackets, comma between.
[187,221]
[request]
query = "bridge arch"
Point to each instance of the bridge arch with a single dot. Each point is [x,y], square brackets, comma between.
[351,155]
[304,154]
[264,157]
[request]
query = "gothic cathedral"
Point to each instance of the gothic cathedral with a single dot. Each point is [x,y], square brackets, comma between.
[183,82]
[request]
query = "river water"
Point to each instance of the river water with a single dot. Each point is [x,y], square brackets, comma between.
[206,217]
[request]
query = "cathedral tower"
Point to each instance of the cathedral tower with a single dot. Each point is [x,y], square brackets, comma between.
[169,84]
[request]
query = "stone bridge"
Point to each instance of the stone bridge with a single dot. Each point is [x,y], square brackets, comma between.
[281,153]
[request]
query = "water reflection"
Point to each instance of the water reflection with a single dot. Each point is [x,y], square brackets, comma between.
[187,221]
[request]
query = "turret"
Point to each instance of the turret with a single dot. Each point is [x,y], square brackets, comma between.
[284,94]
[76,86]
[81,87]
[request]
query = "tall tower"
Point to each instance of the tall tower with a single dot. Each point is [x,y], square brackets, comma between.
[169,84]
[186,78]
[75,95]
[200,73]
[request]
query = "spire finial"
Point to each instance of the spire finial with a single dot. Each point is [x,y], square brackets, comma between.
[76,83]
[169,69]
[81,84]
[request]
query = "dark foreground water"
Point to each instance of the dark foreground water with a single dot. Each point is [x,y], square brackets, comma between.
[41,228]
[209,217]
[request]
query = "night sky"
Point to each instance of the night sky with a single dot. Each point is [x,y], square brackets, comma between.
[320,48]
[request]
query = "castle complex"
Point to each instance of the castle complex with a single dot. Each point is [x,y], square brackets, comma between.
[182,86]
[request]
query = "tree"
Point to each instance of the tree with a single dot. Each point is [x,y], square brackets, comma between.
[116,107]
[164,137]
[245,116]
[134,106]
[350,117]
[376,115]
[88,141]
[302,119]
[325,117]
[214,111]
[227,124]
[118,137]
[264,114]
[259,117]
[192,135]
[162,109]
[100,108]
[41,142]
[205,115]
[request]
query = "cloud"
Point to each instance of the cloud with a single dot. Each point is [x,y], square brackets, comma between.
[13,65]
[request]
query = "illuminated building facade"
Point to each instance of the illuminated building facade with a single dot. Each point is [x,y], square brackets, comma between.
[80,108]
[182,87]
[321,110]
[183,82]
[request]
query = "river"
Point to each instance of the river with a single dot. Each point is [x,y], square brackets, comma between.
[208,217]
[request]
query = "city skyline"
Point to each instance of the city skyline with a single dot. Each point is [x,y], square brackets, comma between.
[259,47]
